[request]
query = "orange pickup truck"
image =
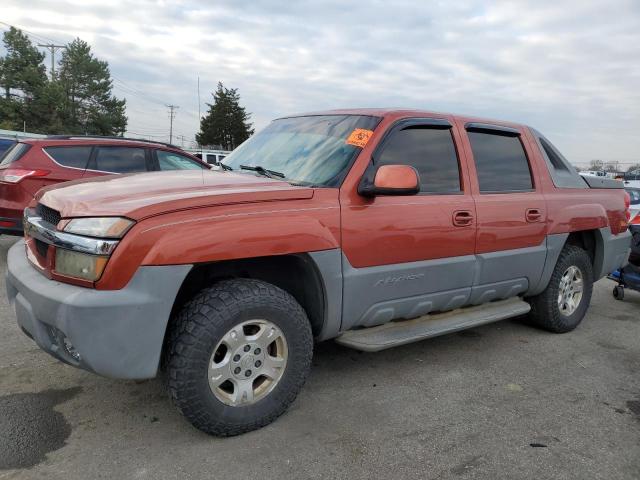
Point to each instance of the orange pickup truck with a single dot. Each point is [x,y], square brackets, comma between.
[372,227]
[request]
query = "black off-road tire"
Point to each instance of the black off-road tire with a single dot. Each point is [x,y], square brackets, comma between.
[201,325]
[545,312]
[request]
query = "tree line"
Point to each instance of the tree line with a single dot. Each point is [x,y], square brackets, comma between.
[611,166]
[77,100]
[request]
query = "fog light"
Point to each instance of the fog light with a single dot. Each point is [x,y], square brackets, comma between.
[79,265]
[70,349]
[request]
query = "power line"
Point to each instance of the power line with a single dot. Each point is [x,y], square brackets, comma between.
[53,45]
[46,42]
[199,115]
[182,139]
[40,38]
[146,134]
[150,130]
[129,89]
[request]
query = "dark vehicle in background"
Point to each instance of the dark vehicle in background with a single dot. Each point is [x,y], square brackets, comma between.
[629,276]
[634,199]
[31,164]
[632,179]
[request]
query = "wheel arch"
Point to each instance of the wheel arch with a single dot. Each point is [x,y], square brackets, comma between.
[600,244]
[585,239]
[302,275]
[588,241]
[594,241]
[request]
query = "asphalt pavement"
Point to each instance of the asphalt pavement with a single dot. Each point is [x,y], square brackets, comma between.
[504,401]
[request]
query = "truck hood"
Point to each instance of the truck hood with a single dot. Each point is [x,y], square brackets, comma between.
[143,195]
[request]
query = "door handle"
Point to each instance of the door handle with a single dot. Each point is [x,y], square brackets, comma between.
[533,215]
[462,218]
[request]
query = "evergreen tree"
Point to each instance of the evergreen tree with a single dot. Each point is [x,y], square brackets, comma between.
[43,113]
[89,106]
[22,77]
[21,68]
[226,123]
[78,101]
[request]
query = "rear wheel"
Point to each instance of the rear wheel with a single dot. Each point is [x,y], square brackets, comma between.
[562,305]
[240,352]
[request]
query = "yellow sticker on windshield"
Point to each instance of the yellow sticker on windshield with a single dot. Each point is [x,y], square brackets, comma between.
[359,137]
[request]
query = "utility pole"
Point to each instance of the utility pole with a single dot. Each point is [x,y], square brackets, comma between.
[172,114]
[199,115]
[52,48]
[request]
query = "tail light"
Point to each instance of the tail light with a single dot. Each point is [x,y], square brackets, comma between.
[635,220]
[627,206]
[15,175]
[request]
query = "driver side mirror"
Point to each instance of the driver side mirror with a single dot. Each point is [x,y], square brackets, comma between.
[389,180]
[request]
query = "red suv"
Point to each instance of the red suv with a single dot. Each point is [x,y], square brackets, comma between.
[31,164]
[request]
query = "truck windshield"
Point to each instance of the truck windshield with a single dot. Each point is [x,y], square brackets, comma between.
[312,150]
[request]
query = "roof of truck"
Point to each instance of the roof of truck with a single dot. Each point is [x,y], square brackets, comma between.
[406,112]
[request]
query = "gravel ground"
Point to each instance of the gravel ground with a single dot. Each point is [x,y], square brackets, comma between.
[500,401]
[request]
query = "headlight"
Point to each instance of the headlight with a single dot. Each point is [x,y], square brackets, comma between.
[103,227]
[79,265]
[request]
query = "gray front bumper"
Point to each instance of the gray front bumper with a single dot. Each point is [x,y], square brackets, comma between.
[118,333]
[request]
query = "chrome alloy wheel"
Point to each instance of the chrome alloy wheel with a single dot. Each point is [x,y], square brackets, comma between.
[570,290]
[247,363]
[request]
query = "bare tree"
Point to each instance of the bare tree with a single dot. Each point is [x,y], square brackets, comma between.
[596,165]
[612,166]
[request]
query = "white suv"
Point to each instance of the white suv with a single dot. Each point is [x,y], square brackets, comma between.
[212,157]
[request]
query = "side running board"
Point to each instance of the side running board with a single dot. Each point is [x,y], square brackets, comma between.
[392,334]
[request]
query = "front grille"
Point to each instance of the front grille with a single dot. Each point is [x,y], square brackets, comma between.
[42,248]
[47,214]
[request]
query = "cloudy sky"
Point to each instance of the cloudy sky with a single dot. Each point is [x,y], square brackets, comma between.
[571,68]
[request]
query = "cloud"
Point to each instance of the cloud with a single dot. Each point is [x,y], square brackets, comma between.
[571,69]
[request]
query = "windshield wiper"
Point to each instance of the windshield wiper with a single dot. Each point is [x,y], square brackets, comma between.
[225,167]
[263,171]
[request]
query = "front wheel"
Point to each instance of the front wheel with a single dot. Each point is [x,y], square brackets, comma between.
[240,351]
[563,304]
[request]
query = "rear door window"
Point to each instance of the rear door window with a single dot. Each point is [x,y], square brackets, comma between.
[120,160]
[562,172]
[501,163]
[5,145]
[70,156]
[14,153]
[635,196]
